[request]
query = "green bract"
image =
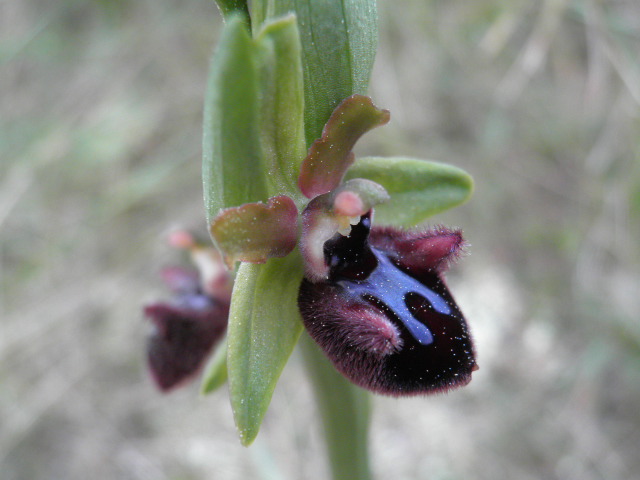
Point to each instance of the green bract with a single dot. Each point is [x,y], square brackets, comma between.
[253,139]
[252,148]
[264,326]
[231,7]
[339,39]
[215,374]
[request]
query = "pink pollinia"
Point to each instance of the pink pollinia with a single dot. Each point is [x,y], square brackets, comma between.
[383,313]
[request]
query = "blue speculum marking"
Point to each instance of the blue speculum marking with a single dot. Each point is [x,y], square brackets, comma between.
[390,285]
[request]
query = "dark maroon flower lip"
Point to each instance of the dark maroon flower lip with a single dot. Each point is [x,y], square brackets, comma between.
[185,331]
[385,316]
[188,326]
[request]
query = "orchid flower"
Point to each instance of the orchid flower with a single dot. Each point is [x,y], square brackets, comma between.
[187,327]
[373,298]
[316,238]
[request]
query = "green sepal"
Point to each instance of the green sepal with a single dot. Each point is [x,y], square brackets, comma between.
[264,326]
[417,188]
[215,373]
[339,40]
[253,141]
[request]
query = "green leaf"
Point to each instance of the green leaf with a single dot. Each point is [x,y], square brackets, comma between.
[345,411]
[330,156]
[418,188]
[339,39]
[264,326]
[254,232]
[232,169]
[282,106]
[215,373]
[253,140]
[230,7]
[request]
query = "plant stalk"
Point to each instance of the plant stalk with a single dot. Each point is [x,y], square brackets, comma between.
[345,411]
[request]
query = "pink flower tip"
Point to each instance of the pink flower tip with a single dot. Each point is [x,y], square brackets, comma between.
[181,239]
[349,204]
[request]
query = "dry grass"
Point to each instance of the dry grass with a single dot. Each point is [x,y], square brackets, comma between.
[100,146]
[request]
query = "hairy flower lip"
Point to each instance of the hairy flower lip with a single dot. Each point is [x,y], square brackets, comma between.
[384,315]
[185,331]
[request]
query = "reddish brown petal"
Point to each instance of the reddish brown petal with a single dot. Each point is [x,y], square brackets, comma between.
[420,250]
[330,156]
[255,232]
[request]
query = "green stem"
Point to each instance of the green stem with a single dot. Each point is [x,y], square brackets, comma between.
[345,410]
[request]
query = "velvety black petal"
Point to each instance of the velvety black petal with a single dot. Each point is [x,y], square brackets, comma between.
[385,317]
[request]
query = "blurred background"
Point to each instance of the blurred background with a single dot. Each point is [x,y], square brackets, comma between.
[100,138]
